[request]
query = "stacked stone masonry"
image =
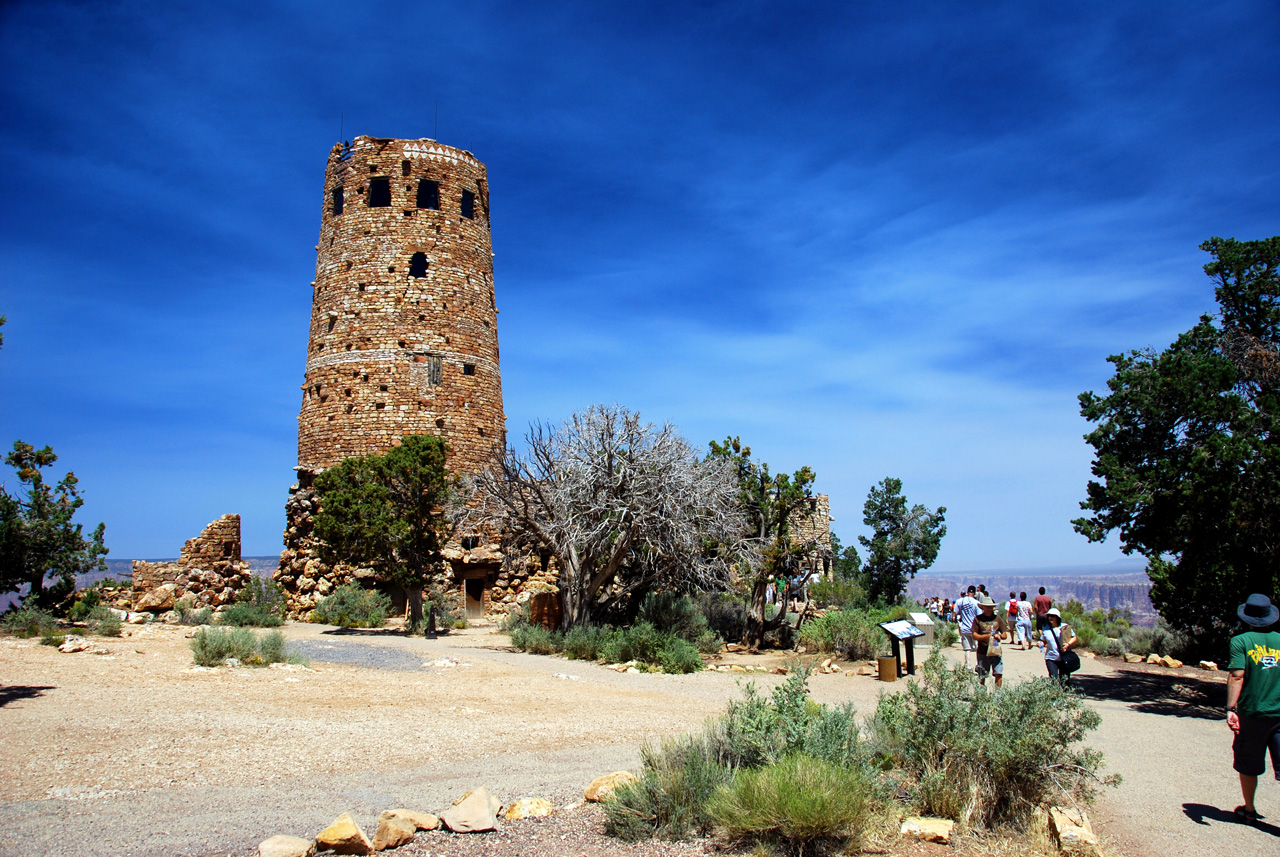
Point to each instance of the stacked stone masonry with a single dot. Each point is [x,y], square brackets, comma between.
[403,341]
[208,573]
[813,526]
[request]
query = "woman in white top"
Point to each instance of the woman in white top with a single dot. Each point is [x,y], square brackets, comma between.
[1022,623]
[1056,639]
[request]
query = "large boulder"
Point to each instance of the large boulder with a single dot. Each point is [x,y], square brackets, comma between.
[157,600]
[928,829]
[601,787]
[420,820]
[1170,662]
[393,831]
[528,807]
[286,846]
[344,836]
[476,812]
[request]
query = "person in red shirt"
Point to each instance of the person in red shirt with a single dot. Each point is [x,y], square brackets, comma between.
[1042,604]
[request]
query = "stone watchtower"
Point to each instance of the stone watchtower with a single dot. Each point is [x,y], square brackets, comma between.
[404,335]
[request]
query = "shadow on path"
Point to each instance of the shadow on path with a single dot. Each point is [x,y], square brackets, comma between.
[1202,814]
[12,693]
[1169,694]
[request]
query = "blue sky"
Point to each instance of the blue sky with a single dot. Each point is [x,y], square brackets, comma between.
[874,238]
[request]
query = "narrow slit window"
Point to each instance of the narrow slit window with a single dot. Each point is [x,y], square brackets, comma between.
[428,194]
[380,193]
[468,368]
[337,201]
[470,543]
[418,265]
[468,204]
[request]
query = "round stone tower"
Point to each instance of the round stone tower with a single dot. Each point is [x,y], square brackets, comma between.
[404,332]
[404,340]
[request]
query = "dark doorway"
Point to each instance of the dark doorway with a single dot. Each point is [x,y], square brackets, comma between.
[475,598]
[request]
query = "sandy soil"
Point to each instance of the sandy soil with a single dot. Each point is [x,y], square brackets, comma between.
[138,753]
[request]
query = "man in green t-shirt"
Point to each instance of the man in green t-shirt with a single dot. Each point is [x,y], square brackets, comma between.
[1253,697]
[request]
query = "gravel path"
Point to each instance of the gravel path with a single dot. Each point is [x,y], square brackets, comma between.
[138,753]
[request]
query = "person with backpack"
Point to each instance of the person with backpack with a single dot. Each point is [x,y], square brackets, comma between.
[1056,640]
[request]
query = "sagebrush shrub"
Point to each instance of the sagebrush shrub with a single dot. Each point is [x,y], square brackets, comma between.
[855,634]
[103,622]
[585,644]
[839,593]
[726,614]
[213,646]
[244,615]
[983,757]
[669,799]
[353,606]
[673,614]
[796,802]
[258,605]
[535,639]
[28,622]
[271,648]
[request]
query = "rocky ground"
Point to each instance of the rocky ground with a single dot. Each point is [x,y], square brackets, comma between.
[137,752]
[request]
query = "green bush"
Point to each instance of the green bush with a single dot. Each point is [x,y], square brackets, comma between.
[838,592]
[586,644]
[1162,639]
[945,634]
[726,614]
[855,634]
[1109,647]
[646,644]
[28,622]
[87,602]
[353,606]
[184,610]
[213,646]
[982,757]
[258,605]
[678,656]
[669,799]
[103,622]
[673,614]
[49,638]
[796,802]
[1087,637]
[536,640]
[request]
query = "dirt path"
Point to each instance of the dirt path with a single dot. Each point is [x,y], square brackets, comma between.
[138,753]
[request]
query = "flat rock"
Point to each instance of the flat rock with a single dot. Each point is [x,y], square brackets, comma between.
[392,832]
[344,836]
[528,807]
[928,829]
[1072,832]
[1170,662]
[601,787]
[476,812]
[1153,658]
[421,820]
[75,644]
[1209,665]
[286,846]
[1131,658]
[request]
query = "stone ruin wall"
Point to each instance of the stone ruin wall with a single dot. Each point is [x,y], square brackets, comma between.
[209,572]
[403,340]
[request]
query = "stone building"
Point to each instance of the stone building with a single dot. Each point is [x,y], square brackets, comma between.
[812,525]
[403,341]
[208,573]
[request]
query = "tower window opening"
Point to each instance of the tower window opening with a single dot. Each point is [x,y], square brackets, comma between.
[440,424]
[380,193]
[381,406]
[332,322]
[468,368]
[405,166]
[418,265]
[468,205]
[428,194]
[337,200]
[382,387]
[470,543]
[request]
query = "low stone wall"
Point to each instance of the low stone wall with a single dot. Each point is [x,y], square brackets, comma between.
[209,571]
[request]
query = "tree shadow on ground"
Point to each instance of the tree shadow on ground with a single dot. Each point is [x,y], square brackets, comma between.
[1201,814]
[389,633]
[1169,694]
[14,692]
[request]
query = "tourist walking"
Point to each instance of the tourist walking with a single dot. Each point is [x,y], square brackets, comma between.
[1253,698]
[988,631]
[1042,604]
[1057,640]
[966,612]
[1023,621]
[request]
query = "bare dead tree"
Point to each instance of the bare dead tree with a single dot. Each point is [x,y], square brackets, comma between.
[624,506]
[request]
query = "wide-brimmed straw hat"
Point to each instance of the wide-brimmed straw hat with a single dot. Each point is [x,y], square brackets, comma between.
[986,601]
[1054,611]
[1258,611]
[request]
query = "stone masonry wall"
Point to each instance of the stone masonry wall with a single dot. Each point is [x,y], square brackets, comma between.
[209,571]
[814,524]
